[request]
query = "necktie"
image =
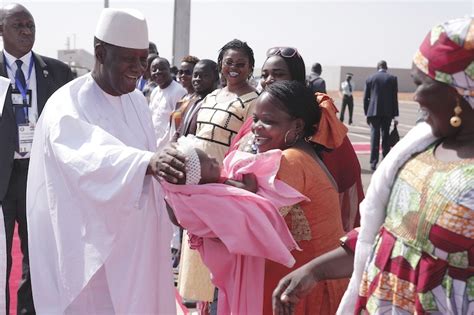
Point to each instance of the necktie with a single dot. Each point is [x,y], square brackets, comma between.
[19,75]
[20,114]
[350,86]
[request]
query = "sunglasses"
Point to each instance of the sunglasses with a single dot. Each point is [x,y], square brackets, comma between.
[185,72]
[286,52]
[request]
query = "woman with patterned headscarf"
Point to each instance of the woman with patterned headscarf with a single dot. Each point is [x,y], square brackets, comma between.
[414,252]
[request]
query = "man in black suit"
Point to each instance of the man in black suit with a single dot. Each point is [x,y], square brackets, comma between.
[315,82]
[33,79]
[380,107]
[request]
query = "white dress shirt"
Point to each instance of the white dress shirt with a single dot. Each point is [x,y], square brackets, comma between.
[345,88]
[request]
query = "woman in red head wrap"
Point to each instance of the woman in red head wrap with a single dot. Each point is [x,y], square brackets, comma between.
[415,249]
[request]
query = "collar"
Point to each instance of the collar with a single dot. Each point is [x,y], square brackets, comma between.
[171,83]
[10,59]
[382,70]
[113,99]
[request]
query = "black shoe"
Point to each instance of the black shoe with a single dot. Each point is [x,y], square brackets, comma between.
[189,303]
[373,167]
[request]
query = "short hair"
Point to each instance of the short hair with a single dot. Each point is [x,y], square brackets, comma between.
[382,64]
[151,57]
[190,59]
[237,45]
[152,48]
[212,65]
[298,101]
[10,8]
[167,63]
[316,68]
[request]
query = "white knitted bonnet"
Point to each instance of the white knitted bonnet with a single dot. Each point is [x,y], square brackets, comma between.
[193,165]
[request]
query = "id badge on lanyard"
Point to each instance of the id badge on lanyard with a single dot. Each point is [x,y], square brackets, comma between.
[26,129]
[21,101]
[25,137]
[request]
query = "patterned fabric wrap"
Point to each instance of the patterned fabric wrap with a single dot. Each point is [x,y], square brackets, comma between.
[447,55]
[193,165]
[423,258]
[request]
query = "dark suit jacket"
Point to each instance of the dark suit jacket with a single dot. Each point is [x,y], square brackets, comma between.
[380,96]
[317,84]
[51,74]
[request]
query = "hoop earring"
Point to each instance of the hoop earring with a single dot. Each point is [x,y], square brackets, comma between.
[456,121]
[294,140]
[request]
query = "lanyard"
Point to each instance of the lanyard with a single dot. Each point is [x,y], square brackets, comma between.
[23,89]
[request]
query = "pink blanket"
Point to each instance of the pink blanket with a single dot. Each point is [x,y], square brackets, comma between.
[235,230]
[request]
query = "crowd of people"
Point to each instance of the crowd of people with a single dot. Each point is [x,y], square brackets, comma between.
[127,176]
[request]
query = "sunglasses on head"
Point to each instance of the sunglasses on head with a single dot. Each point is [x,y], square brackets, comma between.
[286,52]
[185,72]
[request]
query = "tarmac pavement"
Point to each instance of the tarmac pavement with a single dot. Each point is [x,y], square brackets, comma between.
[359,131]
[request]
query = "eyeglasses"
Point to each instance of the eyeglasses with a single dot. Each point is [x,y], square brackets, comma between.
[184,72]
[286,52]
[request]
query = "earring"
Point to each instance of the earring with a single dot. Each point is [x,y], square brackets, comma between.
[456,121]
[294,140]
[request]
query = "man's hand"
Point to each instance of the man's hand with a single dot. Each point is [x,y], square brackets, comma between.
[368,121]
[168,164]
[293,287]
[395,122]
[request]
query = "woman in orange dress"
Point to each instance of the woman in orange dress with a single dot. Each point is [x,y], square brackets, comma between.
[283,119]
[335,148]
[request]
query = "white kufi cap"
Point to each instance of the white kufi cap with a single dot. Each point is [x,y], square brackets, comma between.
[123,27]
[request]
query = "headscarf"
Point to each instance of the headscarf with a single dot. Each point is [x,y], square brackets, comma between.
[330,132]
[447,55]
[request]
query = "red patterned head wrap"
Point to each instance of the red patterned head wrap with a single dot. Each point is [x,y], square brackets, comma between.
[447,55]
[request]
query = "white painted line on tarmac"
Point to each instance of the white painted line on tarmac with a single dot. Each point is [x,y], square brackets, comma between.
[358,135]
[358,127]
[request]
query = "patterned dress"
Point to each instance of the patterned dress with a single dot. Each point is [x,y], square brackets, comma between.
[219,122]
[423,258]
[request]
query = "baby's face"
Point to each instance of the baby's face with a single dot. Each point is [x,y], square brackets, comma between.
[210,169]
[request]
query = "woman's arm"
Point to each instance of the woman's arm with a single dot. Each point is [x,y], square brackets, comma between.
[335,264]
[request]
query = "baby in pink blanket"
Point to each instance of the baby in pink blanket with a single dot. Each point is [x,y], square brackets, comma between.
[204,169]
[234,229]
